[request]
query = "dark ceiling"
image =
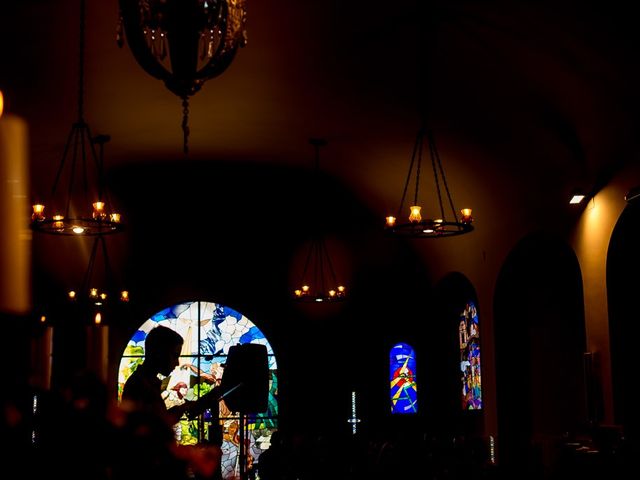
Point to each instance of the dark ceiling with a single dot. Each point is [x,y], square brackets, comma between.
[527,100]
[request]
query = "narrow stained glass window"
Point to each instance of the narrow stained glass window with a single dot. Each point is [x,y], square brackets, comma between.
[402,375]
[469,340]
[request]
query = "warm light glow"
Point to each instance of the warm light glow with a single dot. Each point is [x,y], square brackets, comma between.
[38,212]
[332,293]
[43,319]
[114,217]
[93,293]
[341,288]
[98,319]
[124,296]
[415,216]
[98,211]
[466,215]
[103,296]
[298,292]
[72,294]
[391,221]
[58,222]
[1,103]
[305,289]
[576,198]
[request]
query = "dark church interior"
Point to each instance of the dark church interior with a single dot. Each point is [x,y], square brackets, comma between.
[314,123]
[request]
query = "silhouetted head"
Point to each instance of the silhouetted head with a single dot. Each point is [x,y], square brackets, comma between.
[162,349]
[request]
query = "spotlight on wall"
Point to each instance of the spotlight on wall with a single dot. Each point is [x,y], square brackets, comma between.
[577,196]
[633,195]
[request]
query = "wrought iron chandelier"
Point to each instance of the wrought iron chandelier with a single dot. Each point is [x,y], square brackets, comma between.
[319,281]
[183,42]
[82,206]
[98,292]
[438,224]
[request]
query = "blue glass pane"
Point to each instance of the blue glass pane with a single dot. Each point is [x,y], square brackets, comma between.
[402,376]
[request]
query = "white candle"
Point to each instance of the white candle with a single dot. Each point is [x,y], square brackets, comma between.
[98,350]
[42,358]
[15,241]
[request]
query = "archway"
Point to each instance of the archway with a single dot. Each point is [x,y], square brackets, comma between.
[540,346]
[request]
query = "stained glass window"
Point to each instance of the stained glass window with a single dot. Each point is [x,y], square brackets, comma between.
[209,330]
[469,341]
[402,375]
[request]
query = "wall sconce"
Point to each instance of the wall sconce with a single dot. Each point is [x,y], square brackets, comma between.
[577,196]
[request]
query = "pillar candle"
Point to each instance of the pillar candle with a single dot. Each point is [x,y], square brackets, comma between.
[98,350]
[42,358]
[15,241]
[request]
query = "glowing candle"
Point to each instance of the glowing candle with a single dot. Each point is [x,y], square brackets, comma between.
[98,211]
[414,215]
[15,241]
[38,212]
[98,348]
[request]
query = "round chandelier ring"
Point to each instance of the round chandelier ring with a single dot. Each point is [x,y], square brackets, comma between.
[77,226]
[430,229]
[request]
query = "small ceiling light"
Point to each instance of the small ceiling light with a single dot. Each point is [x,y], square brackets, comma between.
[319,282]
[71,210]
[417,224]
[183,43]
[577,196]
[633,195]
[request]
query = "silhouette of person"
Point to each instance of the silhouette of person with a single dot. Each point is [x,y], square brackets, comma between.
[143,389]
[149,445]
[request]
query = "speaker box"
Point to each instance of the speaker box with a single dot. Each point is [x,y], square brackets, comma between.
[246,368]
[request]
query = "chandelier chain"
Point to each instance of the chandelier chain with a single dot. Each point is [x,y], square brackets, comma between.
[185,124]
[81,49]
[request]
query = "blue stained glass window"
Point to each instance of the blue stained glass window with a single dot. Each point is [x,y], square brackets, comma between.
[402,377]
[470,374]
[209,330]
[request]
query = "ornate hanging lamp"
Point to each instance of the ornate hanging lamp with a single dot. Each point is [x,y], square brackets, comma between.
[318,282]
[183,42]
[99,285]
[79,203]
[440,222]
[97,291]
[437,217]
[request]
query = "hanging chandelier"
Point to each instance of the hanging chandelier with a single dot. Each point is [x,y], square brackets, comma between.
[318,282]
[79,201]
[441,222]
[183,42]
[94,291]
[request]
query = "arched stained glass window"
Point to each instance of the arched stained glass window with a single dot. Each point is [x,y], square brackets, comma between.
[469,341]
[209,330]
[402,378]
